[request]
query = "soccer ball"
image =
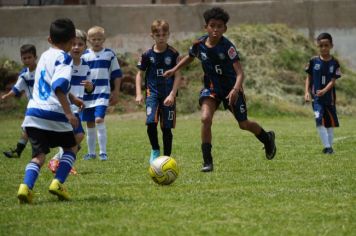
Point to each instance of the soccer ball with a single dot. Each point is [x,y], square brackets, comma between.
[164,170]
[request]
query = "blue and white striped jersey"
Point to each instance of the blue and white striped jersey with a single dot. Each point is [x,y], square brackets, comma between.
[44,111]
[79,73]
[104,67]
[25,83]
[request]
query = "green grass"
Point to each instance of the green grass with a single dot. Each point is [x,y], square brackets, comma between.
[300,192]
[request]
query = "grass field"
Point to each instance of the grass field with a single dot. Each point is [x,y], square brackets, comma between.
[300,192]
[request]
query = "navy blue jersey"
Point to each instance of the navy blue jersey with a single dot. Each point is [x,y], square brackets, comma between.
[217,63]
[155,64]
[321,73]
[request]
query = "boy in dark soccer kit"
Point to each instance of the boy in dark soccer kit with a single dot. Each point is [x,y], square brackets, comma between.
[160,91]
[223,78]
[323,71]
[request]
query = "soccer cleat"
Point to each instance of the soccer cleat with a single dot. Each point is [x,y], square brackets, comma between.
[11,154]
[53,165]
[24,194]
[270,147]
[328,150]
[89,156]
[207,167]
[103,157]
[56,188]
[154,155]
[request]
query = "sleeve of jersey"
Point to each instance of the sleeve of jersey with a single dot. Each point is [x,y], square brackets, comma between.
[193,50]
[115,69]
[19,86]
[337,73]
[233,54]
[308,67]
[62,75]
[142,62]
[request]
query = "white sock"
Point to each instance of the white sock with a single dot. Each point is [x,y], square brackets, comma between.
[102,137]
[59,154]
[330,136]
[91,140]
[323,136]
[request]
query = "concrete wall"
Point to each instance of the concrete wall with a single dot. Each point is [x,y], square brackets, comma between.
[128,26]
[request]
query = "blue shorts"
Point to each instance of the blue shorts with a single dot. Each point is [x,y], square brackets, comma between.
[90,114]
[239,110]
[325,115]
[79,129]
[156,110]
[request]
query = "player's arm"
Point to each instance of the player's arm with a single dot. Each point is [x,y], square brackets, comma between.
[329,86]
[169,101]
[233,94]
[182,63]
[76,101]
[11,93]
[139,97]
[62,98]
[307,89]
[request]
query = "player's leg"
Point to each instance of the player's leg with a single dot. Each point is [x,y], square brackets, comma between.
[152,116]
[89,117]
[239,110]
[330,121]
[21,144]
[208,108]
[168,120]
[101,130]
[320,126]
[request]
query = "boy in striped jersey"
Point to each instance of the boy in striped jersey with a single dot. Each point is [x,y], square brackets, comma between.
[104,68]
[49,120]
[24,83]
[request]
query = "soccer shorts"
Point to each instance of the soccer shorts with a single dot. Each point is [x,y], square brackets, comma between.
[325,115]
[157,111]
[90,114]
[239,109]
[42,140]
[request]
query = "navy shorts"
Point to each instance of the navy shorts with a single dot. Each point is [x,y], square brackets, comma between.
[157,111]
[239,110]
[79,129]
[42,140]
[90,114]
[325,115]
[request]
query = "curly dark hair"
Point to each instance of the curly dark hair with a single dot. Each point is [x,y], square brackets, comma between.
[216,13]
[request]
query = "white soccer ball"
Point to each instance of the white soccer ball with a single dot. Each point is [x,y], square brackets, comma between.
[163,170]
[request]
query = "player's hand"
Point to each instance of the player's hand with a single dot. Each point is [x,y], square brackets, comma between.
[168,73]
[232,96]
[114,99]
[320,93]
[78,102]
[169,101]
[87,85]
[139,99]
[73,120]
[307,97]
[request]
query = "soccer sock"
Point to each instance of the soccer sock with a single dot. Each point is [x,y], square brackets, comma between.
[21,144]
[153,136]
[102,137]
[263,136]
[91,140]
[330,136]
[323,136]
[31,173]
[167,141]
[206,149]
[59,154]
[65,165]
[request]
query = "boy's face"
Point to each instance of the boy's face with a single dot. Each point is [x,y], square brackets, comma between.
[324,46]
[215,29]
[96,40]
[78,48]
[28,59]
[160,37]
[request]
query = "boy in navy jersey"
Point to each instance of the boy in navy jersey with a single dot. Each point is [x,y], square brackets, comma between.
[49,121]
[160,91]
[323,71]
[23,83]
[223,78]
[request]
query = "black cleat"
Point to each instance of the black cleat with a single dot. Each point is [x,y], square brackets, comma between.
[329,150]
[207,168]
[11,154]
[270,148]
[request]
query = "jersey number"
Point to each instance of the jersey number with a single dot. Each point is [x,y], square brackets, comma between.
[218,70]
[323,80]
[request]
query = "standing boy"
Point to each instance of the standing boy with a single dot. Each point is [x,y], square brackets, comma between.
[104,68]
[323,71]
[49,120]
[223,78]
[160,91]
[24,83]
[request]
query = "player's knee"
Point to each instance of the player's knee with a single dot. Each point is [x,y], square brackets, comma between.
[99,120]
[244,125]
[206,120]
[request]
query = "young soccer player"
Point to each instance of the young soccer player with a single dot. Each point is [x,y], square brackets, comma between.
[79,83]
[23,83]
[223,78]
[49,120]
[160,91]
[323,71]
[104,67]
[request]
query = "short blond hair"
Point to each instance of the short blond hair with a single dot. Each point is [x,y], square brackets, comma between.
[96,30]
[159,24]
[81,35]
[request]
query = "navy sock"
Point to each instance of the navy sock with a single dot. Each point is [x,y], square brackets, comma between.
[31,173]
[263,136]
[167,141]
[65,165]
[153,136]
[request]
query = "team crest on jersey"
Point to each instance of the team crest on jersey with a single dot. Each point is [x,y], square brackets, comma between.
[203,56]
[338,72]
[242,108]
[331,69]
[149,111]
[168,61]
[232,52]
[152,59]
[317,114]
[317,67]
[221,56]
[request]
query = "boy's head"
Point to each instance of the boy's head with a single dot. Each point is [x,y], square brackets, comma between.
[325,43]
[79,44]
[96,37]
[28,55]
[216,13]
[160,31]
[62,33]
[216,19]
